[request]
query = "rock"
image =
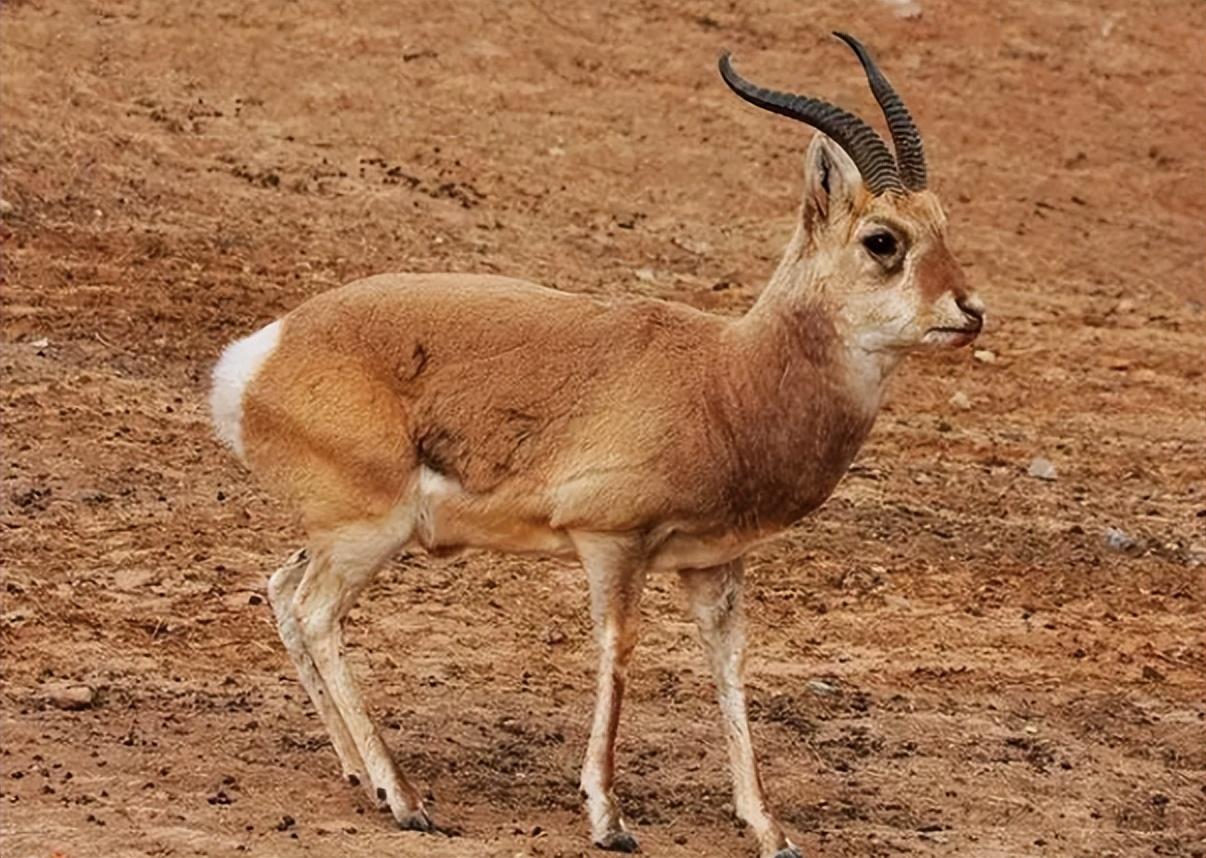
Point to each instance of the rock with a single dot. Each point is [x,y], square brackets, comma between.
[696,248]
[961,400]
[71,696]
[6,208]
[1195,555]
[1119,540]
[1042,469]
[907,9]
[645,275]
[822,688]
[554,636]
[985,356]
[238,600]
[40,343]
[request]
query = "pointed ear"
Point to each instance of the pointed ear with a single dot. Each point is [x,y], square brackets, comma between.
[831,181]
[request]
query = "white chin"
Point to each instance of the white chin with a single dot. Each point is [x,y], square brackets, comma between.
[948,339]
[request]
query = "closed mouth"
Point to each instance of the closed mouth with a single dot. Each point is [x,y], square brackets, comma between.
[951,336]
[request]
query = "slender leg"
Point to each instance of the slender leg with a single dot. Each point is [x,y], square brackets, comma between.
[714,597]
[616,575]
[281,588]
[338,572]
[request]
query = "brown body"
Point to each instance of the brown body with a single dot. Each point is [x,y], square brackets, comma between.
[455,411]
[552,412]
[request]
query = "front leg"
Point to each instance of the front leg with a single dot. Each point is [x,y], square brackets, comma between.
[615,571]
[714,597]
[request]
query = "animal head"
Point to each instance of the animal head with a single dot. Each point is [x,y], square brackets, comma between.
[874,236]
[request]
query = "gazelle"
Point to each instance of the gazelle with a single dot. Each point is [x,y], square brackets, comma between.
[452,411]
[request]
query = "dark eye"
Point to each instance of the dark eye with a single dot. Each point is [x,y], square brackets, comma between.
[881,244]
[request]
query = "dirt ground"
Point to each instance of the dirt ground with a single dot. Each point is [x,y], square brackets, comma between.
[953,657]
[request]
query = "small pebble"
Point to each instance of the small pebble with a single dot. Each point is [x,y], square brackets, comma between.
[907,9]
[819,686]
[1119,540]
[71,697]
[961,400]
[1042,469]
[554,637]
[1151,674]
[985,356]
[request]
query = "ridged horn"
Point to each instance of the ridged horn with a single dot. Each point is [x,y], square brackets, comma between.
[910,156]
[857,138]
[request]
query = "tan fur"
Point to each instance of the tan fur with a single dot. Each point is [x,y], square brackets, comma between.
[454,411]
[549,409]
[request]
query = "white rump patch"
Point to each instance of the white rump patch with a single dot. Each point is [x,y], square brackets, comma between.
[234,371]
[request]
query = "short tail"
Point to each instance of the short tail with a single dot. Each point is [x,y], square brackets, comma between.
[239,364]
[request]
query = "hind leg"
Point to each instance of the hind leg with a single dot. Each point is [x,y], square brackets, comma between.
[281,589]
[341,566]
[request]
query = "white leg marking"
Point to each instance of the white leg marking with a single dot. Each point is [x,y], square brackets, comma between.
[281,589]
[714,597]
[233,372]
[338,572]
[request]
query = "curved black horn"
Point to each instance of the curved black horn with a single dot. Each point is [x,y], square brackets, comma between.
[907,140]
[857,138]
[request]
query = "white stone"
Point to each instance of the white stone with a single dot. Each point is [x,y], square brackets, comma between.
[1042,469]
[961,400]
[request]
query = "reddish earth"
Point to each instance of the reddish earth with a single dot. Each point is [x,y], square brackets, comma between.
[949,659]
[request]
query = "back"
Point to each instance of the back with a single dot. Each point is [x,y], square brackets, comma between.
[485,380]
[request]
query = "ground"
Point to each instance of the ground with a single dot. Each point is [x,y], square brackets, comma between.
[956,656]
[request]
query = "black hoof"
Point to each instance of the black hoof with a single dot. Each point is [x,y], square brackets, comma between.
[618,841]
[417,821]
[789,852]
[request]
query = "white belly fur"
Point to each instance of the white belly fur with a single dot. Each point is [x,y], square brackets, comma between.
[448,519]
[445,522]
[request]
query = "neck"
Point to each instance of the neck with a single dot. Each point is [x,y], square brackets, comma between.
[797,327]
[796,397]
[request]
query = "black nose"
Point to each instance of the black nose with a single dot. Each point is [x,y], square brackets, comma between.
[972,309]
